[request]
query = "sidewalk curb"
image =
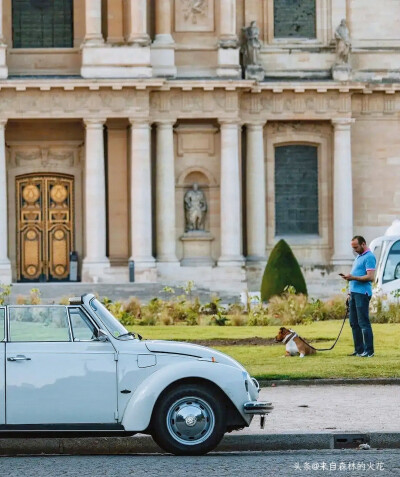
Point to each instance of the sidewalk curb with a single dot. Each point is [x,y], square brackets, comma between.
[143,444]
[264,383]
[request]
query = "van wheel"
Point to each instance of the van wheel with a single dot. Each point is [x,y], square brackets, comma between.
[189,420]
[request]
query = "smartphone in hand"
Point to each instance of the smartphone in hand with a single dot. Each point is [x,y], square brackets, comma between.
[341,274]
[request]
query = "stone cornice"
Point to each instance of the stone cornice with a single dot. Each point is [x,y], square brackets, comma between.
[160,84]
[162,100]
[70,84]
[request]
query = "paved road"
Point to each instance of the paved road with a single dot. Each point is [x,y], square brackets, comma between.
[355,408]
[266,464]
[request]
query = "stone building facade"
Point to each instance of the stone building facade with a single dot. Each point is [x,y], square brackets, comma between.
[110,111]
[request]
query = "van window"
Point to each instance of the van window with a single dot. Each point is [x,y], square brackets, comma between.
[39,323]
[392,266]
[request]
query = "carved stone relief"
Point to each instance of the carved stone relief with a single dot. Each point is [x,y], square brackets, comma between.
[48,156]
[194,15]
[194,102]
[73,103]
[290,103]
[294,127]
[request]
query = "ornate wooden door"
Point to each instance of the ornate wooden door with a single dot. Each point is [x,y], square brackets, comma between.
[45,226]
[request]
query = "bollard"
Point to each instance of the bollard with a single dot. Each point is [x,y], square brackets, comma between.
[73,266]
[131,271]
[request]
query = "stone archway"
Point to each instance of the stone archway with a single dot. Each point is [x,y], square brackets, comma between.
[38,159]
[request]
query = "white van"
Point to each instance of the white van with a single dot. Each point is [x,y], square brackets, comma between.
[387,252]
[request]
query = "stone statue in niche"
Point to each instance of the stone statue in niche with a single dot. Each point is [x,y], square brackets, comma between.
[251,47]
[251,44]
[195,209]
[341,70]
[343,43]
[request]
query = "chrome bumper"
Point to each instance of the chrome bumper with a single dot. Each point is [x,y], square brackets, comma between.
[257,407]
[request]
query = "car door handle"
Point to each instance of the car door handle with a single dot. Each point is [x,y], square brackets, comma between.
[19,357]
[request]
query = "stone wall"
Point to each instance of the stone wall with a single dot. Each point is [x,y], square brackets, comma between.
[376,168]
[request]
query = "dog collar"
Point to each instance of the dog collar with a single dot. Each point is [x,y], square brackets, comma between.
[292,335]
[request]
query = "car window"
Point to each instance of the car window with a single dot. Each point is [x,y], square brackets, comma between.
[82,328]
[2,319]
[39,323]
[392,266]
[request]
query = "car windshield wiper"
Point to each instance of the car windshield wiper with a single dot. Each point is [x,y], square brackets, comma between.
[127,334]
[130,334]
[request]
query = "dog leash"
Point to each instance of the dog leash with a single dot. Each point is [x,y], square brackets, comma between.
[337,339]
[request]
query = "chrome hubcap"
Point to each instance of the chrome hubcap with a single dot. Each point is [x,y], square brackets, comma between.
[190,420]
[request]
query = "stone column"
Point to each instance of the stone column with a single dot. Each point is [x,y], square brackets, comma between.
[255,192]
[103,60]
[2,42]
[228,51]
[5,265]
[3,46]
[231,219]
[137,22]
[163,22]
[140,192]
[227,26]
[95,261]
[165,193]
[342,192]
[163,47]
[93,35]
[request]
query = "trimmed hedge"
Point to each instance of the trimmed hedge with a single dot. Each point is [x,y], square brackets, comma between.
[282,271]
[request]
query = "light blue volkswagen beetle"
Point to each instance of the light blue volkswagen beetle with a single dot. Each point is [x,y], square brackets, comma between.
[75,370]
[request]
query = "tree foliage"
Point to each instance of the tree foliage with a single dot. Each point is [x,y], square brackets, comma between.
[282,271]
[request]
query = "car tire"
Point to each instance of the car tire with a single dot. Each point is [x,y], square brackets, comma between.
[189,419]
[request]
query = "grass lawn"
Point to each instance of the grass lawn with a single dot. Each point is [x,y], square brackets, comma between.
[268,362]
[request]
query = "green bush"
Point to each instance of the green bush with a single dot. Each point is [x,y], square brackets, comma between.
[289,308]
[383,311]
[5,292]
[258,316]
[333,309]
[282,271]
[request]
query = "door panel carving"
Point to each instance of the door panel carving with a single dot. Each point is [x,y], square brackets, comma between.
[45,228]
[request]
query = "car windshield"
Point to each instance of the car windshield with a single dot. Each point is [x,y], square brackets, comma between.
[111,323]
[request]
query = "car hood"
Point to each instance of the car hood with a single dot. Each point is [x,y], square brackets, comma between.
[188,349]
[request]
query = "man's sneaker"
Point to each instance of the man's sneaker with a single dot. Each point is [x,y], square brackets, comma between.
[366,355]
[354,354]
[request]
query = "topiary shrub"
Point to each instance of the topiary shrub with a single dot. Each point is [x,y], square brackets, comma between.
[281,271]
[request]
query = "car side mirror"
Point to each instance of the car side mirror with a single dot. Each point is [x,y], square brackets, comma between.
[397,272]
[102,336]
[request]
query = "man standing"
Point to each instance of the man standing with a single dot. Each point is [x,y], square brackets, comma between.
[360,279]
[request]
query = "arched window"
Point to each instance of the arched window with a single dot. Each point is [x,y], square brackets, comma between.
[42,23]
[296,190]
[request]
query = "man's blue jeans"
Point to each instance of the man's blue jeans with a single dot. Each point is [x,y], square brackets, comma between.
[360,324]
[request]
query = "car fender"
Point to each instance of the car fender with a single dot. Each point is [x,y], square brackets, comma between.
[139,409]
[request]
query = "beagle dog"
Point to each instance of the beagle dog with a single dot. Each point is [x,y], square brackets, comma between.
[294,344]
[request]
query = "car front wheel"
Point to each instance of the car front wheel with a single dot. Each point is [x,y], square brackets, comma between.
[189,420]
